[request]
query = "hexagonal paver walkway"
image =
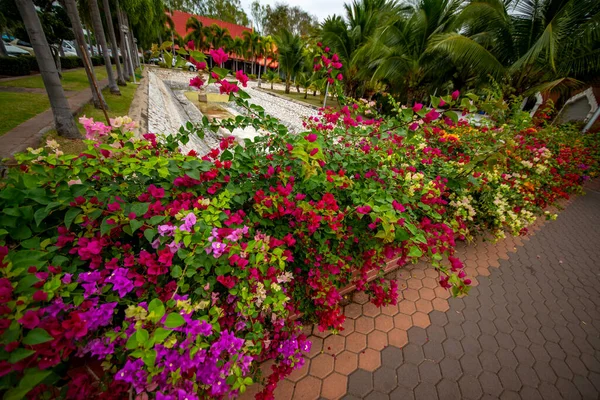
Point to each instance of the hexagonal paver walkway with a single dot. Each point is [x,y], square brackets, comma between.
[530,327]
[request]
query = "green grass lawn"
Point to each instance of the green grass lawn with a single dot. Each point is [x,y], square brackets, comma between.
[19,107]
[118,106]
[72,79]
[310,99]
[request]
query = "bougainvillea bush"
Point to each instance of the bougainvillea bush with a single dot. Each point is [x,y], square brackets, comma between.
[132,270]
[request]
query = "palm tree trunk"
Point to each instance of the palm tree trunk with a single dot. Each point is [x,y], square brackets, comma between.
[113,42]
[73,14]
[288,83]
[3,52]
[101,39]
[90,47]
[132,45]
[63,118]
[127,72]
[61,51]
[305,92]
[259,72]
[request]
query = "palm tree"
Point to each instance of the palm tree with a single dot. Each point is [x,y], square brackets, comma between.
[535,45]
[220,36]
[347,37]
[128,71]
[99,31]
[63,117]
[197,33]
[113,42]
[291,58]
[73,13]
[252,40]
[239,49]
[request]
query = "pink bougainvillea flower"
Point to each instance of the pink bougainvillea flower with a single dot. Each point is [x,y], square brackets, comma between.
[442,103]
[219,56]
[455,94]
[191,45]
[335,58]
[311,137]
[326,49]
[340,77]
[242,77]
[200,65]
[398,206]
[414,126]
[432,115]
[196,82]
[317,67]
[363,209]
[337,65]
[314,151]
[417,107]
[30,320]
[228,87]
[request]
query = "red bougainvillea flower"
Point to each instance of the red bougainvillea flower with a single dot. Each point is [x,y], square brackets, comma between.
[200,65]
[431,116]
[311,137]
[314,151]
[455,95]
[417,107]
[219,56]
[414,126]
[191,45]
[363,209]
[242,77]
[196,82]
[442,103]
[397,206]
[318,67]
[340,77]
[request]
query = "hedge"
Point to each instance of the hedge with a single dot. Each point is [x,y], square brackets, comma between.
[14,66]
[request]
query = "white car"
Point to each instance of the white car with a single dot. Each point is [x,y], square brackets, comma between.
[15,51]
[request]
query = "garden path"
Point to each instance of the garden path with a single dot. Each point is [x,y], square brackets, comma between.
[530,327]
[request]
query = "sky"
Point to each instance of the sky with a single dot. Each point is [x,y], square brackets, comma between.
[320,8]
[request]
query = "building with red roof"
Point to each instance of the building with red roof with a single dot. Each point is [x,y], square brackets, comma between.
[180,19]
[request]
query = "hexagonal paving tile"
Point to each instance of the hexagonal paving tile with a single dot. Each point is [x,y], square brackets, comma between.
[369,360]
[321,366]
[397,338]
[356,342]
[308,388]
[334,344]
[346,362]
[334,386]
[377,340]
[364,325]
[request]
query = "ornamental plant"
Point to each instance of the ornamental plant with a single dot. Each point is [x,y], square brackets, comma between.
[134,270]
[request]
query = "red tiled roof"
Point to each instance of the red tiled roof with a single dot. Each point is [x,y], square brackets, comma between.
[180,18]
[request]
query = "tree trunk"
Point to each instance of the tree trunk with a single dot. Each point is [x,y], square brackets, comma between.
[56,56]
[127,72]
[73,13]
[63,118]
[101,39]
[113,42]
[61,51]
[288,83]
[259,72]
[133,46]
[305,93]
[89,41]
[3,52]
[271,85]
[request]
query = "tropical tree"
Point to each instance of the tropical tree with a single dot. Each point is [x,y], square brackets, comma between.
[113,42]
[63,117]
[73,13]
[252,43]
[196,35]
[535,45]
[348,36]
[238,47]
[290,49]
[99,31]
[220,36]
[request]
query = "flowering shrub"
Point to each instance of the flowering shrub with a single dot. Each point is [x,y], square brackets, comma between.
[135,270]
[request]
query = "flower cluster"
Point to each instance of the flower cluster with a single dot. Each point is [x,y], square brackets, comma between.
[135,268]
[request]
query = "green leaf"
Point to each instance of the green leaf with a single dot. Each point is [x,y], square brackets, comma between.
[105,227]
[21,232]
[142,336]
[31,379]
[160,334]
[149,234]
[174,320]
[156,219]
[452,115]
[401,235]
[222,72]
[40,214]
[156,310]
[415,251]
[135,224]
[149,358]
[19,354]
[435,101]
[197,55]
[70,216]
[132,342]
[176,271]
[166,45]
[37,336]
[139,208]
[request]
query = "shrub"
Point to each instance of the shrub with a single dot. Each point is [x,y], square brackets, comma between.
[176,274]
[71,62]
[14,66]
[97,60]
[33,64]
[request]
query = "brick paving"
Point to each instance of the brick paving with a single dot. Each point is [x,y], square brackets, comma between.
[530,327]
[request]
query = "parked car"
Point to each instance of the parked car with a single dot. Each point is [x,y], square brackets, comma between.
[69,50]
[23,45]
[15,51]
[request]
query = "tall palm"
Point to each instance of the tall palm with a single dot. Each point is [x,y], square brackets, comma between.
[252,40]
[348,36]
[291,55]
[267,44]
[238,48]
[63,118]
[220,36]
[113,42]
[73,13]
[533,44]
[397,51]
[128,71]
[101,39]
[196,35]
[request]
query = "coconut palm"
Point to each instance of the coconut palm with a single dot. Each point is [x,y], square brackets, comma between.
[99,31]
[113,42]
[238,47]
[73,13]
[252,40]
[197,33]
[533,44]
[220,36]
[63,117]
[291,55]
